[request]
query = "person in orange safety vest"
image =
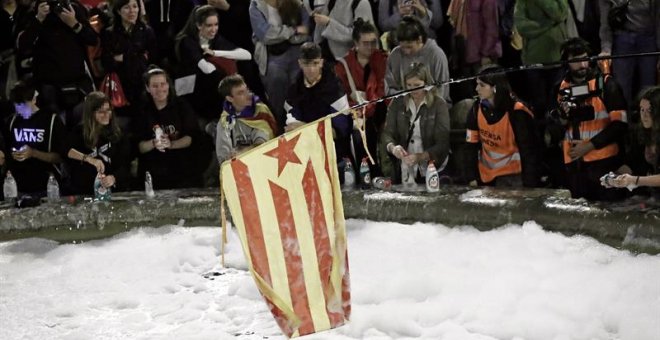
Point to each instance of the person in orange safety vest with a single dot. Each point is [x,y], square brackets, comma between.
[592,109]
[502,131]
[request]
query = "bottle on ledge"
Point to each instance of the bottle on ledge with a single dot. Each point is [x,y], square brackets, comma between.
[148,185]
[9,188]
[101,193]
[53,189]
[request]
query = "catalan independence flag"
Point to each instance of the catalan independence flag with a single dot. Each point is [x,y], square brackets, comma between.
[285,203]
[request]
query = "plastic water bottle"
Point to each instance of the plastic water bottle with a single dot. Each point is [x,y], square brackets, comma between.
[9,187]
[349,175]
[101,193]
[382,183]
[365,174]
[148,185]
[158,132]
[432,179]
[53,189]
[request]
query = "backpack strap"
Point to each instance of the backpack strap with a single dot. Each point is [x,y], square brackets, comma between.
[50,133]
[351,82]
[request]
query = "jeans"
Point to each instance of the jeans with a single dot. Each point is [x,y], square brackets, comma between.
[627,70]
[280,74]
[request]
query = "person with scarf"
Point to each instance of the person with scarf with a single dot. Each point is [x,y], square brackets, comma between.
[245,121]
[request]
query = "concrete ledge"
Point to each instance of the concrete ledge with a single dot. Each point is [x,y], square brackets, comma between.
[632,225]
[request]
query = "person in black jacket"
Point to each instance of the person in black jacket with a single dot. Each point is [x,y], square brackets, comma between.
[199,48]
[57,37]
[98,147]
[37,140]
[169,137]
[128,47]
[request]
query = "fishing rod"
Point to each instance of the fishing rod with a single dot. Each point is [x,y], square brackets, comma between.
[529,67]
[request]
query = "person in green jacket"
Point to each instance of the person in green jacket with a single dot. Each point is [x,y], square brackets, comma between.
[542,25]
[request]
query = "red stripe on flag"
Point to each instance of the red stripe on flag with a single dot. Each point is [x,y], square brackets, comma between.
[292,258]
[251,219]
[321,131]
[346,289]
[321,237]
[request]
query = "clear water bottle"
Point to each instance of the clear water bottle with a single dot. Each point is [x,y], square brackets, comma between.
[101,193]
[53,189]
[349,175]
[432,179]
[365,174]
[148,185]
[9,187]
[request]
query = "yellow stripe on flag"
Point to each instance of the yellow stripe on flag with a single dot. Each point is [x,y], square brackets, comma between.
[285,202]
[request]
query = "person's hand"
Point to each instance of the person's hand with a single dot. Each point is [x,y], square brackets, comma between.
[119,58]
[604,54]
[43,9]
[97,163]
[2,158]
[108,181]
[399,152]
[162,143]
[579,149]
[321,19]
[486,61]
[473,183]
[292,126]
[417,4]
[302,30]
[23,154]
[68,16]
[412,159]
[621,181]
[207,51]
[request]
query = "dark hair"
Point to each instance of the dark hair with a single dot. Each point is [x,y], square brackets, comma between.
[410,29]
[493,75]
[22,92]
[290,11]
[116,7]
[651,136]
[91,128]
[152,71]
[310,51]
[361,27]
[574,47]
[228,83]
[197,16]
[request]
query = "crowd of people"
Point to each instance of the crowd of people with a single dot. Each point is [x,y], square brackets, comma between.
[116,89]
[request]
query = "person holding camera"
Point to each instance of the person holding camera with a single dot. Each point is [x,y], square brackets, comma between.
[245,121]
[592,109]
[57,37]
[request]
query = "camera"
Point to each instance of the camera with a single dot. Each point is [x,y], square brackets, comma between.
[574,98]
[58,5]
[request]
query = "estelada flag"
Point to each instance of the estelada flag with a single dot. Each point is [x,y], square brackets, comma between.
[285,203]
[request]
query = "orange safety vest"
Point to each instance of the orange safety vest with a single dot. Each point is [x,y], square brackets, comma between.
[590,128]
[499,154]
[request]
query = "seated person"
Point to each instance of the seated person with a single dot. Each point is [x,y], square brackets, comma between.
[245,121]
[362,75]
[500,132]
[98,147]
[168,133]
[317,93]
[37,140]
[417,129]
